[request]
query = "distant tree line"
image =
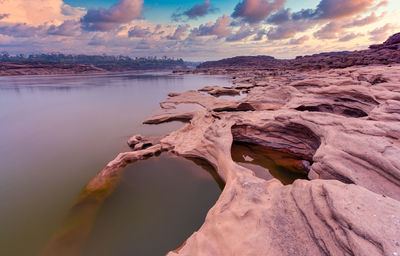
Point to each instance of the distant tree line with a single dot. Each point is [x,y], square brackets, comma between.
[103,61]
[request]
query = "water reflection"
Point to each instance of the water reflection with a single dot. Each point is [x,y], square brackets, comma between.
[55,141]
[268,164]
[147,208]
[158,205]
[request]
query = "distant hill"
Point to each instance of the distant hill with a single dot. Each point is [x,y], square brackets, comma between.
[241,61]
[385,53]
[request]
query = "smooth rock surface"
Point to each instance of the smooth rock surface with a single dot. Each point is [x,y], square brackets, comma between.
[343,122]
[346,126]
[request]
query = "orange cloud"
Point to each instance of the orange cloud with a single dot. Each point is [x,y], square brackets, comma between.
[37,13]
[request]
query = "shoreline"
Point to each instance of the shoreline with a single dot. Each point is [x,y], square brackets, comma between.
[8,69]
[344,126]
[348,187]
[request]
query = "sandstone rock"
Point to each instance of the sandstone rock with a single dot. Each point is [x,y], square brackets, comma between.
[343,125]
[173,94]
[306,218]
[329,217]
[219,91]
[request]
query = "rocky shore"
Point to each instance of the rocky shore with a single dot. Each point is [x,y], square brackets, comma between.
[343,122]
[344,125]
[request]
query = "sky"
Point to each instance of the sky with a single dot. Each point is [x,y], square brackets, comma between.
[196,30]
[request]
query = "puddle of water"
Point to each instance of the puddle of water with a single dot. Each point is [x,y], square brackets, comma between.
[233,97]
[158,204]
[227,97]
[268,164]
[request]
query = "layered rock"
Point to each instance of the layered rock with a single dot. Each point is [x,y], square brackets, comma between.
[344,123]
[344,126]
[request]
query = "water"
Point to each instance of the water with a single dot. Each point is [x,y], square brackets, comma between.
[141,218]
[57,132]
[268,164]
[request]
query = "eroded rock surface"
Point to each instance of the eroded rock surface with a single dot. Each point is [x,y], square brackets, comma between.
[344,122]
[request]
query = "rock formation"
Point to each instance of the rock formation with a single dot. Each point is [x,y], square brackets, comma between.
[344,122]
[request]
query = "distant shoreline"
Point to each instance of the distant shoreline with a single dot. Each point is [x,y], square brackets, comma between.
[48,68]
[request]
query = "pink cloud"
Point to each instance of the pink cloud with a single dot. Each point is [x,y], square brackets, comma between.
[364,21]
[179,32]
[300,40]
[122,12]
[253,11]
[219,28]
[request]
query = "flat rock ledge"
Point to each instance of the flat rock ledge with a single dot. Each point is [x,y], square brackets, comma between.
[344,122]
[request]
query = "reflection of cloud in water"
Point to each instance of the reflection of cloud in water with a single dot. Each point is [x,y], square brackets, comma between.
[68,135]
[268,164]
[248,158]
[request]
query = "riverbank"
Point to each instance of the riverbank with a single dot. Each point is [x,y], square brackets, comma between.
[341,122]
[39,68]
[343,125]
[338,126]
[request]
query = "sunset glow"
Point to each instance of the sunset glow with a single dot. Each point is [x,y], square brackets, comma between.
[194,30]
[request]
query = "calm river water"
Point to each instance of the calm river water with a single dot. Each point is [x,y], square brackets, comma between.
[57,132]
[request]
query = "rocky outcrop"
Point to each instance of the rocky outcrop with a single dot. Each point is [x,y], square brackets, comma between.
[343,127]
[392,43]
[219,91]
[344,123]
[306,218]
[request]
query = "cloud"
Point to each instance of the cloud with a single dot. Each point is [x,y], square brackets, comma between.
[179,32]
[20,30]
[70,11]
[145,44]
[138,31]
[242,33]
[329,31]
[349,37]
[120,13]
[279,17]
[300,40]
[68,28]
[254,11]
[334,9]
[364,21]
[3,16]
[198,10]
[260,35]
[219,28]
[288,30]
[336,15]
[34,12]
[381,33]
